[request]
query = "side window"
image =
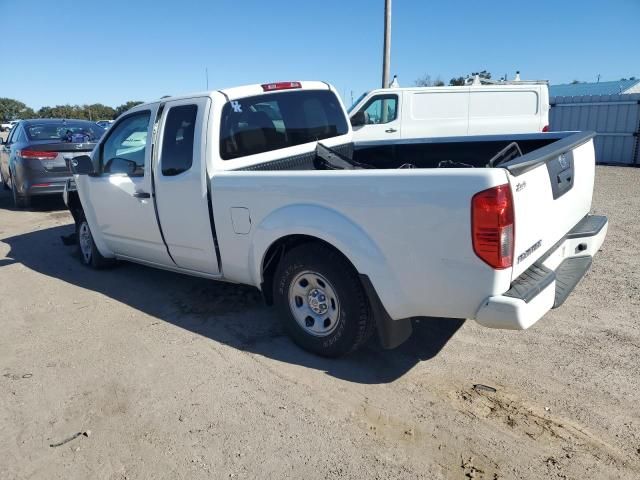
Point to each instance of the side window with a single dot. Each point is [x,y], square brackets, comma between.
[12,135]
[124,150]
[177,143]
[20,136]
[381,109]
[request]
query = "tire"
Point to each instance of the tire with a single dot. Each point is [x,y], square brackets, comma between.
[5,185]
[90,256]
[323,305]
[19,201]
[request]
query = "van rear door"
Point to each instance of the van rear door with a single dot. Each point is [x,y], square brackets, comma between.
[552,189]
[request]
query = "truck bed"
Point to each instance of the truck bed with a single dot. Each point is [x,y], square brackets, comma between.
[456,152]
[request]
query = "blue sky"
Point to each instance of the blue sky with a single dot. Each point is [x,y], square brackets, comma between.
[111,51]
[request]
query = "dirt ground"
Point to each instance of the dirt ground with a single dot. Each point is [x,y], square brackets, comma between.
[181,378]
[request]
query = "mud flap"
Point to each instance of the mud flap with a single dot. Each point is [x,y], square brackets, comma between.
[392,333]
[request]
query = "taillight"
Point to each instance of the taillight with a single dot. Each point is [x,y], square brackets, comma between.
[34,154]
[270,87]
[492,226]
[545,128]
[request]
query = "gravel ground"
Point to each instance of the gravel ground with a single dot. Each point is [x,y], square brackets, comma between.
[178,377]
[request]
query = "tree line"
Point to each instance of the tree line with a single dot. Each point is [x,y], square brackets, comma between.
[427,81]
[11,109]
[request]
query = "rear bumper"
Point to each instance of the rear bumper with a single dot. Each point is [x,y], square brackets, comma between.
[547,283]
[44,187]
[33,180]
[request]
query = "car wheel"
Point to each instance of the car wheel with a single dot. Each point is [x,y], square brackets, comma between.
[89,253]
[5,185]
[323,304]
[19,201]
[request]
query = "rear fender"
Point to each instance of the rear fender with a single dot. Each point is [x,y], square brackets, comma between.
[333,228]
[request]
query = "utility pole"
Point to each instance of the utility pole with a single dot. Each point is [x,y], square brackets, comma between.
[386,53]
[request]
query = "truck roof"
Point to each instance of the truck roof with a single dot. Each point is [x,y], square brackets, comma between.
[234,93]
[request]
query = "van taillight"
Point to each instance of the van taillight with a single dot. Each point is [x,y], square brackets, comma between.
[492,226]
[545,128]
[270,87]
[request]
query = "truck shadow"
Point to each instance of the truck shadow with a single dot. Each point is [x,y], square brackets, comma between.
[232,314]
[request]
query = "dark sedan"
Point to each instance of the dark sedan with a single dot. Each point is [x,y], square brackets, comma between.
[34,160]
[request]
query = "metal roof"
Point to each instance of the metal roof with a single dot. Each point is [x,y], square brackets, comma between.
[600,88]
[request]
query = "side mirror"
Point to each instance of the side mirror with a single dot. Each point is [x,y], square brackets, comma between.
[120,165]
[358,119]
[82,165]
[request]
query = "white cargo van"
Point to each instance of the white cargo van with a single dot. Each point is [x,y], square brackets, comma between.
[422,112]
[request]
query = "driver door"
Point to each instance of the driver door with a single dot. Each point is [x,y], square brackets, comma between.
[121,191]
[381,119]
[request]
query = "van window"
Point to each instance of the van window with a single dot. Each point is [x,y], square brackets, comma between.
[503,103]
[434,105]
[278,120]
[381,109]
[177,143]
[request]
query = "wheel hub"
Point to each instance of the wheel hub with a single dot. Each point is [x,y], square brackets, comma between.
[318,301]
[314,303]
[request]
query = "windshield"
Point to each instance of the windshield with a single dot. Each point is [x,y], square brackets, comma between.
[278,120]
[76,132]
[357,102]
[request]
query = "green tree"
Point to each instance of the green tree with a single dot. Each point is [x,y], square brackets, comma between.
[125,106]
[98,111]
[426,81]
[11,109]
[461,81]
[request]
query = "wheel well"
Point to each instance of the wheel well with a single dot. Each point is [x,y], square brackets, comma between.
[276,252]
[74,205]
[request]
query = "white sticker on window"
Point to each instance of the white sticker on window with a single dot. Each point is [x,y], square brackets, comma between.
[237,108]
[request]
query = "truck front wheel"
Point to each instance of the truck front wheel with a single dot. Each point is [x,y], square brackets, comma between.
[89,253]
[322,302]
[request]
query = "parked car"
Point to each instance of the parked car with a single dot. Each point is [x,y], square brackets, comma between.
[422,112]
[34,158]
[104,123]
[5,126]
[344,239]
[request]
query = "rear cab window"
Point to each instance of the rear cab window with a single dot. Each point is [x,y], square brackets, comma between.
[272,121]
[177,143]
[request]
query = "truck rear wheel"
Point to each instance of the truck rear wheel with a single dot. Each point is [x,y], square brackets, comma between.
[323,305]
[89,253]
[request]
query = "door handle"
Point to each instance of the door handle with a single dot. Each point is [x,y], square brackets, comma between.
[391,130]
[142,195]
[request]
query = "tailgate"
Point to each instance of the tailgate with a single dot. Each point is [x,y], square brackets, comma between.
[552,188]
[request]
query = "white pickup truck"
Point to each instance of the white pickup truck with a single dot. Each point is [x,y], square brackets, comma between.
[262,185]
